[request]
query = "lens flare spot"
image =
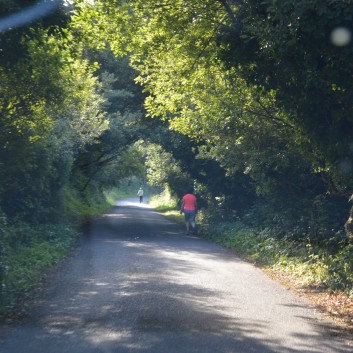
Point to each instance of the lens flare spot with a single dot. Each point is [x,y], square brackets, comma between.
[341,36]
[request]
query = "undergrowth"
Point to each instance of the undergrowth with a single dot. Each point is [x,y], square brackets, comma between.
[23,262]
[79,206]
[328,264]
[116,194]
[164,202]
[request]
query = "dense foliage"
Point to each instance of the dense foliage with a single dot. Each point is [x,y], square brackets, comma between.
[68,119]
[251,100]
[260,87]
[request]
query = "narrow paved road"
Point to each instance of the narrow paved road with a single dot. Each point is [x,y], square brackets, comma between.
[139,284]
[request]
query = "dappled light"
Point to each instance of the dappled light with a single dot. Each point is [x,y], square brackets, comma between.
[111,111]
[158,293]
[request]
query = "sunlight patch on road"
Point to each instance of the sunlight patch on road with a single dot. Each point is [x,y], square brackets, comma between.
[88,293]
[116,215]
[132,202]
[101,335]
[136,244]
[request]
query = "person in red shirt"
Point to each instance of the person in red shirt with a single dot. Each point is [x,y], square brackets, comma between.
[189,207]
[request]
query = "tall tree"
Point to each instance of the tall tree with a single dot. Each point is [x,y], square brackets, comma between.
[259,83]
[50,109]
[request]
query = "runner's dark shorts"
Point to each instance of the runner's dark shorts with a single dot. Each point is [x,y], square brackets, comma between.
[190,215]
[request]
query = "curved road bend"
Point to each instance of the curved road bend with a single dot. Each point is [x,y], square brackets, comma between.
[139,284]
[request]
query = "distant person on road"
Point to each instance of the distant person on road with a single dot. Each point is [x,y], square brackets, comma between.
[189,207]
[140,194]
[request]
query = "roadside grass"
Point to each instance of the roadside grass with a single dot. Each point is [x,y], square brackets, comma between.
[322,274]
[78,208]
[28,252]
[325,275]
[174,216]
[24,264]
[116,194]
[167,205]
[324,266]
[163,203]
[315,265]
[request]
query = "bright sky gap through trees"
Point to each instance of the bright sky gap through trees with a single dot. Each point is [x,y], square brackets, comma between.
[28,15]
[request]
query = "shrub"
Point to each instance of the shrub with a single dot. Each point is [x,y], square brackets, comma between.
[164,201]
[23,264]
[326,264]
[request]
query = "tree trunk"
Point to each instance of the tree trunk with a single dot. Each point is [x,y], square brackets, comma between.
[348,227]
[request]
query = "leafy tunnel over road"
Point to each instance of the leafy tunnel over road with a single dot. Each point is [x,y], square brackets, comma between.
[138,284]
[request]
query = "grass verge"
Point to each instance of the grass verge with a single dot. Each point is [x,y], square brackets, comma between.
[323,275]
[165,204]
[24,264]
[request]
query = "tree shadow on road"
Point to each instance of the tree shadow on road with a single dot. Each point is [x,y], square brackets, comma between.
[138,284]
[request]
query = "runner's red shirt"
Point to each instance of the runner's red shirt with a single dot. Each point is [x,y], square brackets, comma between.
[189,202]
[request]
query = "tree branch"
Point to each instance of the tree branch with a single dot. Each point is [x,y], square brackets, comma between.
[231,14]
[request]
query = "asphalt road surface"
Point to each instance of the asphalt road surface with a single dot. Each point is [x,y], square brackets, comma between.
[138,283]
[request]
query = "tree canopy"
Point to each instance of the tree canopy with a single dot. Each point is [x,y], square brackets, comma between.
[257,89]
[248,101]
[259,86]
